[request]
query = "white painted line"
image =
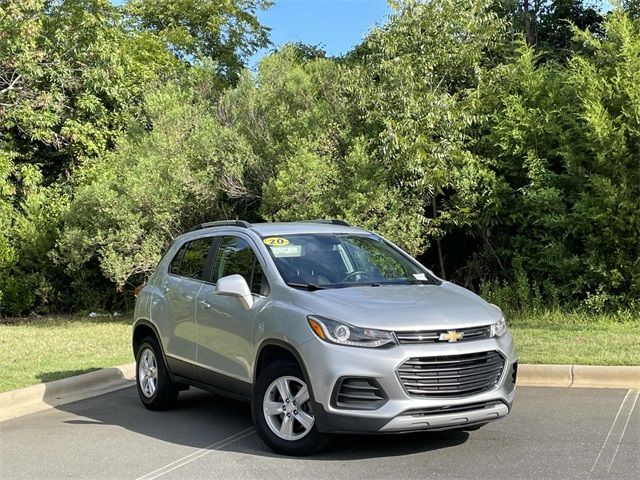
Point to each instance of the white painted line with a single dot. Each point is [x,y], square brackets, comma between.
[624,430]
[610,430]
[629,400]
[198,454]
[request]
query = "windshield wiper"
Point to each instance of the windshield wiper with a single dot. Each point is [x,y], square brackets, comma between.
[312,287]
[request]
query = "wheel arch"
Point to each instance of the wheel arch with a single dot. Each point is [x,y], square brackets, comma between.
[273,349]
[141,329]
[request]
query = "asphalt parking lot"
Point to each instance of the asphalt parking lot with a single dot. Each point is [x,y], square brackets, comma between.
[551,433]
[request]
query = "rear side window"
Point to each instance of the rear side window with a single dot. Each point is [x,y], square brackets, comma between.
[235,256]
[190,260]
[174,268]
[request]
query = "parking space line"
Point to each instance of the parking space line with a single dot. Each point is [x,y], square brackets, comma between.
[198,454]
[619,426]
[624,430]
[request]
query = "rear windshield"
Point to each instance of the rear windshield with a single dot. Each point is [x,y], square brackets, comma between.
[342,260]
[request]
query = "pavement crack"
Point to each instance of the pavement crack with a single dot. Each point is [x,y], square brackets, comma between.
[571,375]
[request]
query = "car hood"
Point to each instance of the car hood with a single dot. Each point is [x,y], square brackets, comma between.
[401,307]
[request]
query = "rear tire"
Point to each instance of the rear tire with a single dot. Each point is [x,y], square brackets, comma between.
[282,412]
[155,388]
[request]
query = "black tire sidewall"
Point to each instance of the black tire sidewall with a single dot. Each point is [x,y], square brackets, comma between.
[166,393]
[310,443]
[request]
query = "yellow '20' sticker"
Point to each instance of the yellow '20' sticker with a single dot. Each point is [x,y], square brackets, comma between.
[276,241]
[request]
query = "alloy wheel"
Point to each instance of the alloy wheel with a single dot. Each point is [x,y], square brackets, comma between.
[287,409]
[148,372]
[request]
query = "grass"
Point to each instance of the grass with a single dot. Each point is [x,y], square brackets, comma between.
[577,338]
[49,348]
[43,349]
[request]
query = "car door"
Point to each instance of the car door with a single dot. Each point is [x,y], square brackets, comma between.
[224,328]
[181,286]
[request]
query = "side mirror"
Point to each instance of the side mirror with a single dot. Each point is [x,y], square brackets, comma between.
[235,286]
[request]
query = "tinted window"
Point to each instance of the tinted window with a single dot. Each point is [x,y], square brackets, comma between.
[259,282]
[174,268]
[194,258]
[235,256]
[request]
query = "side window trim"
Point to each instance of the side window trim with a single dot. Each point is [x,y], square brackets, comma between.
[207,273]
[180,252]
[184,247]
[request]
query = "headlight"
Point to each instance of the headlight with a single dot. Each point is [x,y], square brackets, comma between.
[499,328]
[342,333]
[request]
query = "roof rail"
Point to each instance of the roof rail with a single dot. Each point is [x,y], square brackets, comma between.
[331,221]
[222,223]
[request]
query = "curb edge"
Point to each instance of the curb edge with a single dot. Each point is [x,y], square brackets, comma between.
[34,398]
[16,403]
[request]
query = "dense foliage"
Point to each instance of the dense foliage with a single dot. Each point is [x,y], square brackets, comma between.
[498,140]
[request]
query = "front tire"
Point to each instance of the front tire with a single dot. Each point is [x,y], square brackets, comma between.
[282,412]
[155,388]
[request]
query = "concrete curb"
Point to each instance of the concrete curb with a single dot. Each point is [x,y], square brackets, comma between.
[23,401]
[583,376]
[46,395]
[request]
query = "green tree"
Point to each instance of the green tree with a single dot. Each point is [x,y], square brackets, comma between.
[73,75]
[227,32]
[157,183]
[416,93]
[565,145]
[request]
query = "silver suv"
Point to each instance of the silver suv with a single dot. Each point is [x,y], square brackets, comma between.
[324,328]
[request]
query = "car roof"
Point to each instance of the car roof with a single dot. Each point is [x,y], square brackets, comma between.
[291,228]
[270,229]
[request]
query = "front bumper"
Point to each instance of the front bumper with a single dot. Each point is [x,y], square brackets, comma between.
[327,363]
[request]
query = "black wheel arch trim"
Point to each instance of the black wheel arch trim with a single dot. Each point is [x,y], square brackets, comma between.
[274,342]
[151,325]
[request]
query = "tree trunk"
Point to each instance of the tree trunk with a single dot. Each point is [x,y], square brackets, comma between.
[528,32]
[438,242]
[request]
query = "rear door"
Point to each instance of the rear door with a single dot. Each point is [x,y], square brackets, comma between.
[224,328]
[181,286]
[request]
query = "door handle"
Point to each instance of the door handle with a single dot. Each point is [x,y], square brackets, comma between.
[165,289]
[204,304]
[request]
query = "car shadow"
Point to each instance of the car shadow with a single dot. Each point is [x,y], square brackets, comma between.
[201,420]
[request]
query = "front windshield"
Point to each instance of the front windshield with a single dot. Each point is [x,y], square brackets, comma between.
[341,260]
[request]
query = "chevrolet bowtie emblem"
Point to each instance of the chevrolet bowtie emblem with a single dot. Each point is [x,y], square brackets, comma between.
[451,336]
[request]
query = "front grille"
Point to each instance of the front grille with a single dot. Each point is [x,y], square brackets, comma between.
[451,375]
[423,412]
[432,336]
[358,393]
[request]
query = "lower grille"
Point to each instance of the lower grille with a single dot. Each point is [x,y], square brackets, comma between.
[358,393]
[423,412]
[452,375]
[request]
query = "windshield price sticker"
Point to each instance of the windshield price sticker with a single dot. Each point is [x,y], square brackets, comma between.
[276,241]
[284,251]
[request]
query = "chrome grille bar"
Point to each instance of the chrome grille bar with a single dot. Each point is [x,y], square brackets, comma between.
[431,336]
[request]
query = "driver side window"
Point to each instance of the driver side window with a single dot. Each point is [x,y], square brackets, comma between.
[235,256]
